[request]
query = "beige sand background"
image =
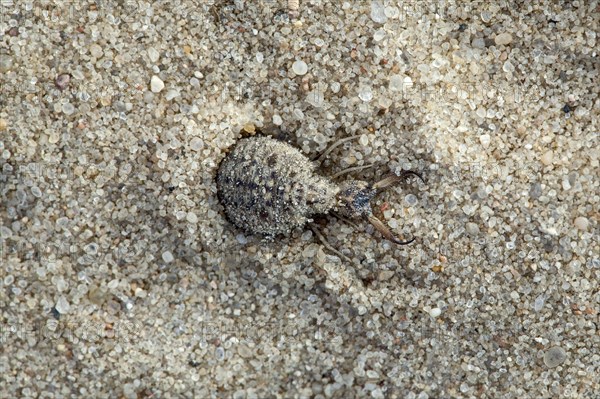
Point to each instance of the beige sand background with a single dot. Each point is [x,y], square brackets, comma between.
[120,276]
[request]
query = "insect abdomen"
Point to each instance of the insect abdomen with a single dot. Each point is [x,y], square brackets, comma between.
[269,187]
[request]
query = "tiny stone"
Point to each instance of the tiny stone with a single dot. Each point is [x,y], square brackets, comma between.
[167,256]
[478,43]
[472,228]
[249,127]
[485,139]
[196,144]
[241,239]
[503,39]
[153,54]
[277,120]
[536,191]
[91,249]
[411,199]
[156,84]
[364,140]
[539,302]
[35,190]
[191,217]
[96,51]
[365,93]
[62,305]
[62,81]
[547,157]
[68,108]
[582,223]
[112,284]
[554,357]
[171,94]
[396,82]
[53,137]
[97,295]
[508,66]
[3,124]
[378,12]
[5,232]
[6,62]
[335,87]
[310,251]
[379,35]
[386,275]
[244,351]
[299,67]
[435,312]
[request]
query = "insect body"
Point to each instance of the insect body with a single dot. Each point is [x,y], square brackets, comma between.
[269,187]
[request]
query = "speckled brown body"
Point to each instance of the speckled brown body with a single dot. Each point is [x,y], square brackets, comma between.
[269,187]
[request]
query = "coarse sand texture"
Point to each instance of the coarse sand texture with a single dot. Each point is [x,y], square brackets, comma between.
[123,276]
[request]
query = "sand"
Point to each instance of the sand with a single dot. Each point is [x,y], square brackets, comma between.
[121,278]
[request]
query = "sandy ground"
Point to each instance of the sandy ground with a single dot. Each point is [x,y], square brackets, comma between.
[121,276]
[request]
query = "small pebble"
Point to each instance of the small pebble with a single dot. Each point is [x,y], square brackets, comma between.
[167,256]
[363,140]
[547,157]
[62,81]
[378,12]
[277,120]
[68,108]
[244,351]
[503,39]
[299,67]
[35,190]
[472,228]
[539,302]
[365,93]
[385,275]
[196,144]
[396,82]
[6,62]
[379,35]
[156,84]
[171,94]
[435,312]
[96,51]
[241,239]
[13,32]
[62,305]
[411,199]
[485,140]
[191,217]
[97,295]
[554,357]
[581,222]
[507,66]
[3,124]
[153,54]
